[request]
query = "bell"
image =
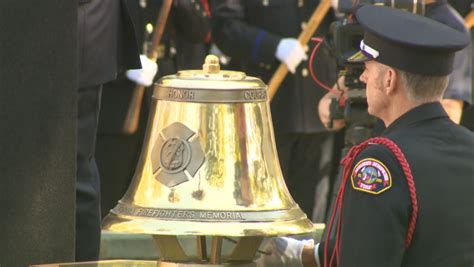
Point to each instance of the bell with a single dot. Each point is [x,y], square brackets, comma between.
[208,168]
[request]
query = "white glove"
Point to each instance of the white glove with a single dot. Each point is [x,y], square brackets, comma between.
[146,74]
[284,252]
[290,52]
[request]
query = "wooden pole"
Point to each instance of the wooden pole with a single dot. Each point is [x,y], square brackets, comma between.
[133,113]
[305,36]
[469,20]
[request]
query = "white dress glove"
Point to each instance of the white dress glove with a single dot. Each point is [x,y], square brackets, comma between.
[284,252]
[290,52]
[146,74]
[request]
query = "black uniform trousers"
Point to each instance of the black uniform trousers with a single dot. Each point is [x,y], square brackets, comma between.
[106,46]
[88,182]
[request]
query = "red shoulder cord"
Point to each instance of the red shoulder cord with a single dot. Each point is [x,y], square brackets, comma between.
[347,163]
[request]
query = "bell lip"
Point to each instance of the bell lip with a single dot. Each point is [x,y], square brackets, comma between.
[124,224]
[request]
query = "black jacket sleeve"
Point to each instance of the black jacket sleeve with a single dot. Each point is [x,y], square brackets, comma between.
[230,27]
[375,221]
[374,224]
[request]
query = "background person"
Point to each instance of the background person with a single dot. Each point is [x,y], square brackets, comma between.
[386,219]
[181,47]
[458,94]
[259,36]
[106,43]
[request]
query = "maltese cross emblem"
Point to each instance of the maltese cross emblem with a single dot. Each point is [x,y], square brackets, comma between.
[176,155]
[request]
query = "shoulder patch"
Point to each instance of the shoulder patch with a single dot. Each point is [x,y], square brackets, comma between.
[371,176]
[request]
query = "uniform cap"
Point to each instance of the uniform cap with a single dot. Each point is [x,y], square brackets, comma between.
[407,41]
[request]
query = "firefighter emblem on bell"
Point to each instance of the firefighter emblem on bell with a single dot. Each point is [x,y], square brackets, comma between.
[177,155]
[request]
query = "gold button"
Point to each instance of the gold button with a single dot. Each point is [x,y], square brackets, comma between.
[304,72]
[261,65]
[268,67]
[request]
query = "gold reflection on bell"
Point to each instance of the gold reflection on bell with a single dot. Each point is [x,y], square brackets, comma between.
[209,164]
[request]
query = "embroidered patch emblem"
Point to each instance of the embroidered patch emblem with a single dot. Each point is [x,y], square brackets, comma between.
[371,176]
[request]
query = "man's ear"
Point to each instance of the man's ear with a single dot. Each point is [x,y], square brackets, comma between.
[390,81]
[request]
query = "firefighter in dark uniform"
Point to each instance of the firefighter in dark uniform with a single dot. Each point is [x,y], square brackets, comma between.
[187,31]
[183,46]
[406,198]
[260,35]
[106,46]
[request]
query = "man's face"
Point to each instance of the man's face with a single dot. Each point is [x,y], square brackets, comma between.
[373,78]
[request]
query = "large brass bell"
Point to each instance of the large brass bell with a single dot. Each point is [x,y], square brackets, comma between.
[208,168]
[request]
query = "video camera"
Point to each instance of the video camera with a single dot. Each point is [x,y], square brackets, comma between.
[344,39]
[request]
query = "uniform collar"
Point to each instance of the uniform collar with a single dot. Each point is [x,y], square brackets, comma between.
[423,112]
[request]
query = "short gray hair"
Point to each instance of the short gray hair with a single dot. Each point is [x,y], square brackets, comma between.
[423,88]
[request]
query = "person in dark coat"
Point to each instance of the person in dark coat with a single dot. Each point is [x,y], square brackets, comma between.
[464,7]
[458,95]
[182,47]
[106,44]
[260,35]
[406,198]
